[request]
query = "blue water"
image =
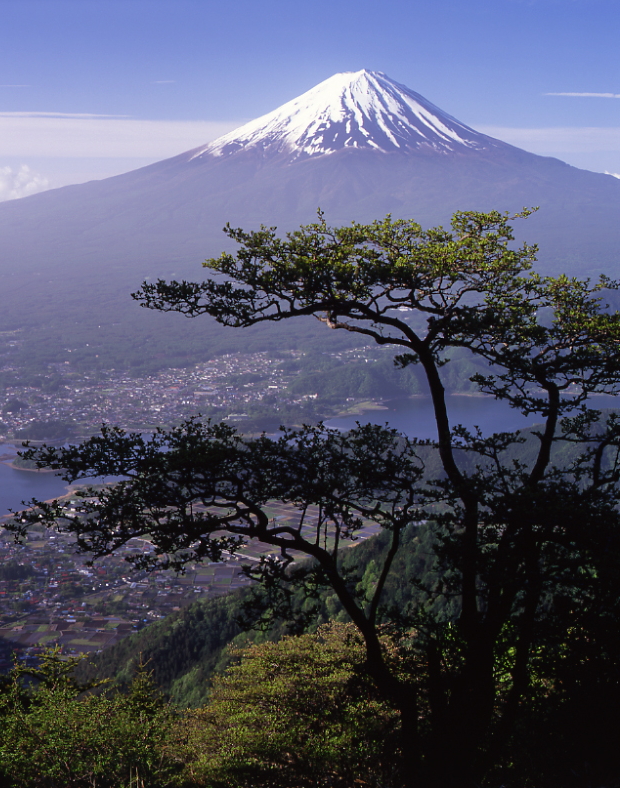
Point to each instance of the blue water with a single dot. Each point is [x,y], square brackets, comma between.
[414,415]
[18,486]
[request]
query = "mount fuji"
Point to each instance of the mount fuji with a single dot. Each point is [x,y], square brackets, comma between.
[362,110]
[358,145]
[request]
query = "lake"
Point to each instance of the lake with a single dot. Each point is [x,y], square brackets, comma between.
[411,415]
[17,486]
[414,415]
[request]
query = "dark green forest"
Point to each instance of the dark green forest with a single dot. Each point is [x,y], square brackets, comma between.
[199,700]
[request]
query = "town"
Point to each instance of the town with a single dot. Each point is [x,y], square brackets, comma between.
[251,390]
[49,595]
[52,595]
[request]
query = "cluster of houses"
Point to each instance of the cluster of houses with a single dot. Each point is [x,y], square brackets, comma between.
[225,385]
[49,596]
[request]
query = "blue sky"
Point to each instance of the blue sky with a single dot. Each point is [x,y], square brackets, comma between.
[90,88]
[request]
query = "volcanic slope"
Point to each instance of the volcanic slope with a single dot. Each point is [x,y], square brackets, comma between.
[359,145]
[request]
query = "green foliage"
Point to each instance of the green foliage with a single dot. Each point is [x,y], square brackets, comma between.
[297,712]
[13,570]
[360,380]
[56,736]
[513,555]
[14,405]
[190,641]
[46,430]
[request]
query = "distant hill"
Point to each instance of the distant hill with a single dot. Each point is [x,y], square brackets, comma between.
[359,145]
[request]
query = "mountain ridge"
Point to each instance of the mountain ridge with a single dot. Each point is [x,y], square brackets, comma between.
[358,109]
[74,254]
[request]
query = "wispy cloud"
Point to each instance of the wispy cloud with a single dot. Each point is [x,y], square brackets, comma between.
[164,81]
[20,183]
[57,115]
[587,95]
[57,134]
[15,86]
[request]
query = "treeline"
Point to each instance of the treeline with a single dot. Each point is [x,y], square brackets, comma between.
[245,708]
[186,648]
[267,708]
[299,712]
[377,377]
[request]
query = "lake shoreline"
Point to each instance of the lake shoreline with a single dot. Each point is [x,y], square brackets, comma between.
[371,405]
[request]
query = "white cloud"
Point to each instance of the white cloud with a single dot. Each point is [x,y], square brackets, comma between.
[588,95]
[48,134]
[57,115]
[555,141]
[613,174]
[20,183]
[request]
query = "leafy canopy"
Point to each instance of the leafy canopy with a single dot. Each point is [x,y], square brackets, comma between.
[523,549]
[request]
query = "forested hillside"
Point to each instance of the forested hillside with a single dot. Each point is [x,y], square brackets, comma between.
[305,692]
[482,615]
[186,648]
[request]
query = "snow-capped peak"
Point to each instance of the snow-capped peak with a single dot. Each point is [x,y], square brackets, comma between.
[360,109]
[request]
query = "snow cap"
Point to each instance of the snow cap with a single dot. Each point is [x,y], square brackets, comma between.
[355,109]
